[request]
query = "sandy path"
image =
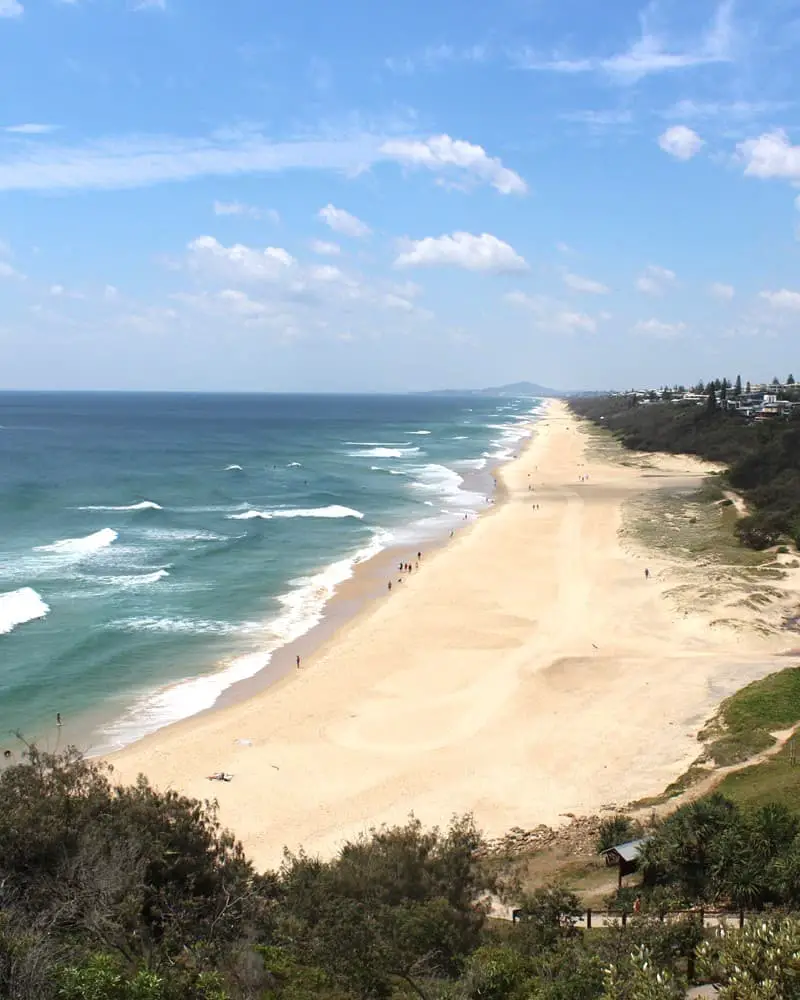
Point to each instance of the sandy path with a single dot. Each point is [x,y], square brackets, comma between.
[526,671]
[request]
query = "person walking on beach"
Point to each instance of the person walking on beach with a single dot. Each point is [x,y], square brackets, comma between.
[298,661]
[647,574]
[390,585]
[58,719]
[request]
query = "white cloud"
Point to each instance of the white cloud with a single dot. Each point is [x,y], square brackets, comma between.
[655,280]
[435,56]
[9,272]
[60,292]
[771,155]
[325,249]
[30,128]
[441,153]
[120,162]
[11,8]
[579,284]
[681,142]
[783,299]
[110,293]
[150,5]
[551,316]
[473,253]
[650,53]
[719,290]
[597,120]
[656,328]
[740,110]
[270,264]
[343,222]
[249,211]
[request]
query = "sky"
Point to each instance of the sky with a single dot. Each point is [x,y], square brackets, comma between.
[255,195]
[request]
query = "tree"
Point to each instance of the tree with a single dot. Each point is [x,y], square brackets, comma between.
[145,875]
[711,403]
[790,380]
[737,391]
[748,387]
[547,916]
[398,906]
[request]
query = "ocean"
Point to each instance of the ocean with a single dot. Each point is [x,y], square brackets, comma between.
[157,548]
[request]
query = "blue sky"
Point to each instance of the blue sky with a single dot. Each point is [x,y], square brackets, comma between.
[248,195]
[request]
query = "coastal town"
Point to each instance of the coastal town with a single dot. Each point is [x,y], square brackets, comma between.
[752,401]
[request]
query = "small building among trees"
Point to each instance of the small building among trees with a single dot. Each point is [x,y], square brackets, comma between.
[625,857]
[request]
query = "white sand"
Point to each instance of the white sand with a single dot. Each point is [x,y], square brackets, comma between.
[526,671]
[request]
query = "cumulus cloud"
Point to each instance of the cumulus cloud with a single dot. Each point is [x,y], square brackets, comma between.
[343,222]
[770,155]
[656,328]
[473,253]
[784,299]
[441,153]
[579,284]
[249,211]
[681,142]
[11,8]
[719,290]
[326,249]
[270,264]
[655,280]
[551,316]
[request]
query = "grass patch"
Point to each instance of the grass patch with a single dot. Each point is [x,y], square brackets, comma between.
[773,780]
[746,720]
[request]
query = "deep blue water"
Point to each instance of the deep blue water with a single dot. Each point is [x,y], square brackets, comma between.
[147,540]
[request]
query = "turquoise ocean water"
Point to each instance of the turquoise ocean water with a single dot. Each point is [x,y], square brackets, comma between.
[155,549]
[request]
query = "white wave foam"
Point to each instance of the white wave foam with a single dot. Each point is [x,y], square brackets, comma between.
[294,465]
[472,463]
[233,468]
[419,432]
[81,546]
[20,606]
[460,437]
[183,626]
[131,579]
[303,607]
[383,452]
[334,510]
[446,484]
[182,535]
[142,505]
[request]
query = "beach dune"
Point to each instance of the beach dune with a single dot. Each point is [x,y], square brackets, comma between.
[527,670]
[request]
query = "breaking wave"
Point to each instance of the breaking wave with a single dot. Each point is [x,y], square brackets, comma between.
[19,607]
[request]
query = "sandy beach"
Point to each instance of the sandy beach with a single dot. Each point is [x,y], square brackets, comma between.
[528,670]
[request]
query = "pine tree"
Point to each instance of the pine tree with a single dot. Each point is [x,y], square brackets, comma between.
[748,389]
[738,390]
[790,380]
[711,405]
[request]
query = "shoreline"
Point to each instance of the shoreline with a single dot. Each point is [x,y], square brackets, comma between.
[349,598]
[529,671]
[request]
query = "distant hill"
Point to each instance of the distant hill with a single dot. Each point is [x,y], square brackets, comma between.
[513,389]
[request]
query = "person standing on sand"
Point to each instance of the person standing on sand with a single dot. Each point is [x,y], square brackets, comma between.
[58,719]
[298,661]
[390,585]
[647,574]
